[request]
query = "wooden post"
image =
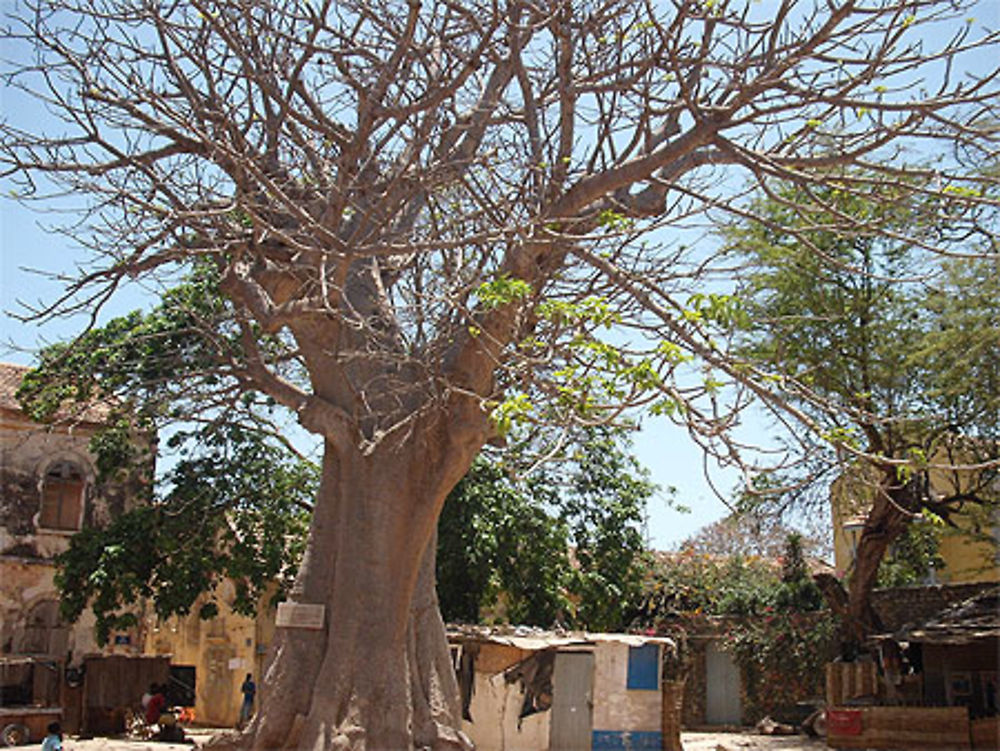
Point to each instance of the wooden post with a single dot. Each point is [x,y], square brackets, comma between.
[672,693]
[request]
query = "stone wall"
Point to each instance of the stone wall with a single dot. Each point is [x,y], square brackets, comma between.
[28,595]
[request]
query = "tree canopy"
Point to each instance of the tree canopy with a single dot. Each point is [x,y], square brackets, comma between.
[470,167]
[857,326]
[237,509]
[565,546]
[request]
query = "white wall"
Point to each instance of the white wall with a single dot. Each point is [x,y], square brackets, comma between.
[615,707]
[494,709]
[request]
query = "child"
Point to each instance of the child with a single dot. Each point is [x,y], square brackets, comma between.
[53,741]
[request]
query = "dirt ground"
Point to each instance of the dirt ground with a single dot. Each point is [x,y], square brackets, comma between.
[692,742]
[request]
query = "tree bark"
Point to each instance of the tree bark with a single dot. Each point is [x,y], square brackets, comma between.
[891,511]
[378,675]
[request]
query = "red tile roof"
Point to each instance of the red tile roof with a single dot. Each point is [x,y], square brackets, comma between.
[10,380]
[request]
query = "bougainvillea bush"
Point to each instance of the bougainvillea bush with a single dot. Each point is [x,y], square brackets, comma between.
[770,614]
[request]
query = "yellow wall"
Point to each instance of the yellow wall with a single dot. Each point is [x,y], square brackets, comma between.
[966,558]
[222,650]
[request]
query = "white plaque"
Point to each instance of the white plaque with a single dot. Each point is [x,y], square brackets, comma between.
[300,615]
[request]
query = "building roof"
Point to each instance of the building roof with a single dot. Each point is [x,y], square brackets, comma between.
[534,639]
[900,608]
[11,375]
[974,619]
[10,380]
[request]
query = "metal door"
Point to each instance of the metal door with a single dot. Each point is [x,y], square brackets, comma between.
[723,706]
[572,701]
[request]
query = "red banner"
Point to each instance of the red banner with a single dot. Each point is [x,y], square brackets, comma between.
[844,722]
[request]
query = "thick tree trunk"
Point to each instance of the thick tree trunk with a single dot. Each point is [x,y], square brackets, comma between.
[378,675]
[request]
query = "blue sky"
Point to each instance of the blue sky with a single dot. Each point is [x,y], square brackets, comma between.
[673,459]
[26,248]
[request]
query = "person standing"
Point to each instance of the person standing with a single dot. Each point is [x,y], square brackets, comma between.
[249,689]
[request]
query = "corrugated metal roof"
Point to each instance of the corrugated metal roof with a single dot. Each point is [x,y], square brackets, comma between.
[633,640]
[533,640]
[972,620]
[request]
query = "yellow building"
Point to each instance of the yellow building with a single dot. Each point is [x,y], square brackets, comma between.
[215,654]
[968,553]
[49,490]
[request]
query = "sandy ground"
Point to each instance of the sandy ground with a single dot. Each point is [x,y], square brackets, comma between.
[692,742]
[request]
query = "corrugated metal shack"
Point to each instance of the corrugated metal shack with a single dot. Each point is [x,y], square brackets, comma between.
[525,690]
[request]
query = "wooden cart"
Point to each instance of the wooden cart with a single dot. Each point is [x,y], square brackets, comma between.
[21,725]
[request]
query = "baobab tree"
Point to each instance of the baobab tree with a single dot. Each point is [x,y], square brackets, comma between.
[428,219]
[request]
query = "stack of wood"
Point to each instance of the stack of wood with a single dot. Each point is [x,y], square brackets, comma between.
[850,682]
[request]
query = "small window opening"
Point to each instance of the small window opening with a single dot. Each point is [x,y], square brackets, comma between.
[62,497]
[643,668]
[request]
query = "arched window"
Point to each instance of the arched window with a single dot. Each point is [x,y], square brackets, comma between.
[44,631]
[62,496]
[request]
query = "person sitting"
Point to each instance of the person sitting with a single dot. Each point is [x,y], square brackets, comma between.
[157,703]
[170,731]
[53,741]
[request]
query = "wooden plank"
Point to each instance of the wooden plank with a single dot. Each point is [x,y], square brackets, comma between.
[925,728]
[119,681]
[849,680]
[986,733]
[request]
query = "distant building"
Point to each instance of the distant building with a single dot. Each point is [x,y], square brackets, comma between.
[933,683]
[49,490]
